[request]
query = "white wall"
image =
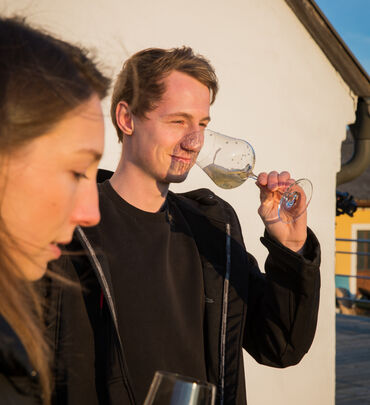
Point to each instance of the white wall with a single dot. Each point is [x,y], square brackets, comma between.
[278,91]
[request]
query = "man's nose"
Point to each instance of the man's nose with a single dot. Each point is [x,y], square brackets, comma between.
[193,141]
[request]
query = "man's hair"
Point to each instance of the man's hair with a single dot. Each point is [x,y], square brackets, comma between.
[140,82]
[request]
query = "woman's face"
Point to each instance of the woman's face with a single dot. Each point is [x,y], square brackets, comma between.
[50,188]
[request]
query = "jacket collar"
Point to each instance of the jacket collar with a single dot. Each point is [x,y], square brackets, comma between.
[14,360]
[200,202]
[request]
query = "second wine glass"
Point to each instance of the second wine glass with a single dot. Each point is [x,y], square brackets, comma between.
[175,389]
[230,161]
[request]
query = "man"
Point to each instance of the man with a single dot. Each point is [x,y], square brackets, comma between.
[168,284]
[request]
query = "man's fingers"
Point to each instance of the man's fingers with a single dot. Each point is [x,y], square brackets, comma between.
[273,181]
[262,179]
[283,178]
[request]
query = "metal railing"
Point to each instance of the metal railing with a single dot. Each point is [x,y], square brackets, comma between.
[353,299]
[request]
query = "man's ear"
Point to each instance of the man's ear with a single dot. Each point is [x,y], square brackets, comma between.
[124,118]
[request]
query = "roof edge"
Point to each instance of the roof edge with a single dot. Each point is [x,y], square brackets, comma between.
[333,46]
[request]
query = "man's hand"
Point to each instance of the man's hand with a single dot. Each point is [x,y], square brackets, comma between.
[272,185]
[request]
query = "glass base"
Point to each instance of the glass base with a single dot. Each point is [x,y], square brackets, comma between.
[295,200]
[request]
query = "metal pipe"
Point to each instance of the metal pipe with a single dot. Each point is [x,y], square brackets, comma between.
[352,275]
[353,253]
[352,240]
[360,131]
[353,300]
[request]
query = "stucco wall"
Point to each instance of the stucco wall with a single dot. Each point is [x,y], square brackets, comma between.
[278,91]
[347,228]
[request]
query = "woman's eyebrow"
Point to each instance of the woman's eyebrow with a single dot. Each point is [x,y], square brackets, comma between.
[96,155]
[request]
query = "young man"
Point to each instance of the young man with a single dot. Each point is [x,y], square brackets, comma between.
[168,282]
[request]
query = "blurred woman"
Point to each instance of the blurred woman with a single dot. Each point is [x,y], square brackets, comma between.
[51,140]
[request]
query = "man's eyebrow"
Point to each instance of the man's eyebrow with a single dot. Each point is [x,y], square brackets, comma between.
[186,115]
[96,155]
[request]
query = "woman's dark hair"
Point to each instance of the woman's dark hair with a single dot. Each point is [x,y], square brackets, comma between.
[42,78]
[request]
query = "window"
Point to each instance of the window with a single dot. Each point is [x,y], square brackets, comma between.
[363,262]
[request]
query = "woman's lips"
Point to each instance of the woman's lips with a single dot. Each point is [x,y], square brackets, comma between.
[55,250]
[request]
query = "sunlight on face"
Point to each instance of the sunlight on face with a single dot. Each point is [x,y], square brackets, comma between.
[50,188]
[166,142]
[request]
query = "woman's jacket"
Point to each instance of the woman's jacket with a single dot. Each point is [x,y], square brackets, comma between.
[18,380]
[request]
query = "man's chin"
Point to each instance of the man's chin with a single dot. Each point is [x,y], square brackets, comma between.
[176,178]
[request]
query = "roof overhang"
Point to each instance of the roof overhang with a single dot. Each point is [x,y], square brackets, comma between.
[324,34]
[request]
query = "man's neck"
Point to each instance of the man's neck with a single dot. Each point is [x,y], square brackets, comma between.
[138,189]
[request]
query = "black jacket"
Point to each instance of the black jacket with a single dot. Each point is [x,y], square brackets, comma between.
[18,380]
[273,315]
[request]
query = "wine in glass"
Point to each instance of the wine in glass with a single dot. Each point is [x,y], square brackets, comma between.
[230,161]
[174,389]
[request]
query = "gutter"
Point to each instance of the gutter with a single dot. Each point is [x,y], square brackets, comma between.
[360,131]
[351,71]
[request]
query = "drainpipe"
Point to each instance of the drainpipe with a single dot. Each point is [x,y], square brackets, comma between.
[360,131]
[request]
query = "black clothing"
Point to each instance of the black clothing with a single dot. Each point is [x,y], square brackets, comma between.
[157,275]
[19,383]
[273,315]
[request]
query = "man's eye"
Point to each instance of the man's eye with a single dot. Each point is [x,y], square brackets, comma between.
[202,124]
[178,122]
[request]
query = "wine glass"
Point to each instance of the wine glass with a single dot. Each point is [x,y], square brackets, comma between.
[175,389]
[230,161]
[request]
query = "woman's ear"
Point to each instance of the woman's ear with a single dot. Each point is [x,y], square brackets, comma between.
[124,118]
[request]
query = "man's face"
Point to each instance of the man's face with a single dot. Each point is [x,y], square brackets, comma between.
[166,143]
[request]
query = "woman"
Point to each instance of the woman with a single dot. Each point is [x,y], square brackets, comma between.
[51,139]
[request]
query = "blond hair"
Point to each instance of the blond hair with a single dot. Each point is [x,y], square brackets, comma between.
[140,82]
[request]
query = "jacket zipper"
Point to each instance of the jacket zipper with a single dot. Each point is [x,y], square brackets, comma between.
[104,284]
[225,301]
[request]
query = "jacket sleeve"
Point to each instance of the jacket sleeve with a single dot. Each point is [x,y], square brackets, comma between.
[282,303]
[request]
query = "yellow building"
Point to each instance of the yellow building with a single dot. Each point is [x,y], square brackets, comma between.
[352,264]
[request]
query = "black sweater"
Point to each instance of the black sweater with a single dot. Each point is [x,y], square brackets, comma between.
[273,315]
[157,282]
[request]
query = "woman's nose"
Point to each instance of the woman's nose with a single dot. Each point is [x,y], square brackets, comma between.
[86,212]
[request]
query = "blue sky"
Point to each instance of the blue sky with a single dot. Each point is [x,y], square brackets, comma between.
[351,19]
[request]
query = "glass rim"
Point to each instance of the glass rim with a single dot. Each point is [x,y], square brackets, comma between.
[212,131]
[203,155]
[177,376]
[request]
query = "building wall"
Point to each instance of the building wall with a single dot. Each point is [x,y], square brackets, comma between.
[277,90]
[346,227]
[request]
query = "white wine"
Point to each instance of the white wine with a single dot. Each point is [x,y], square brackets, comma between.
[227,178]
